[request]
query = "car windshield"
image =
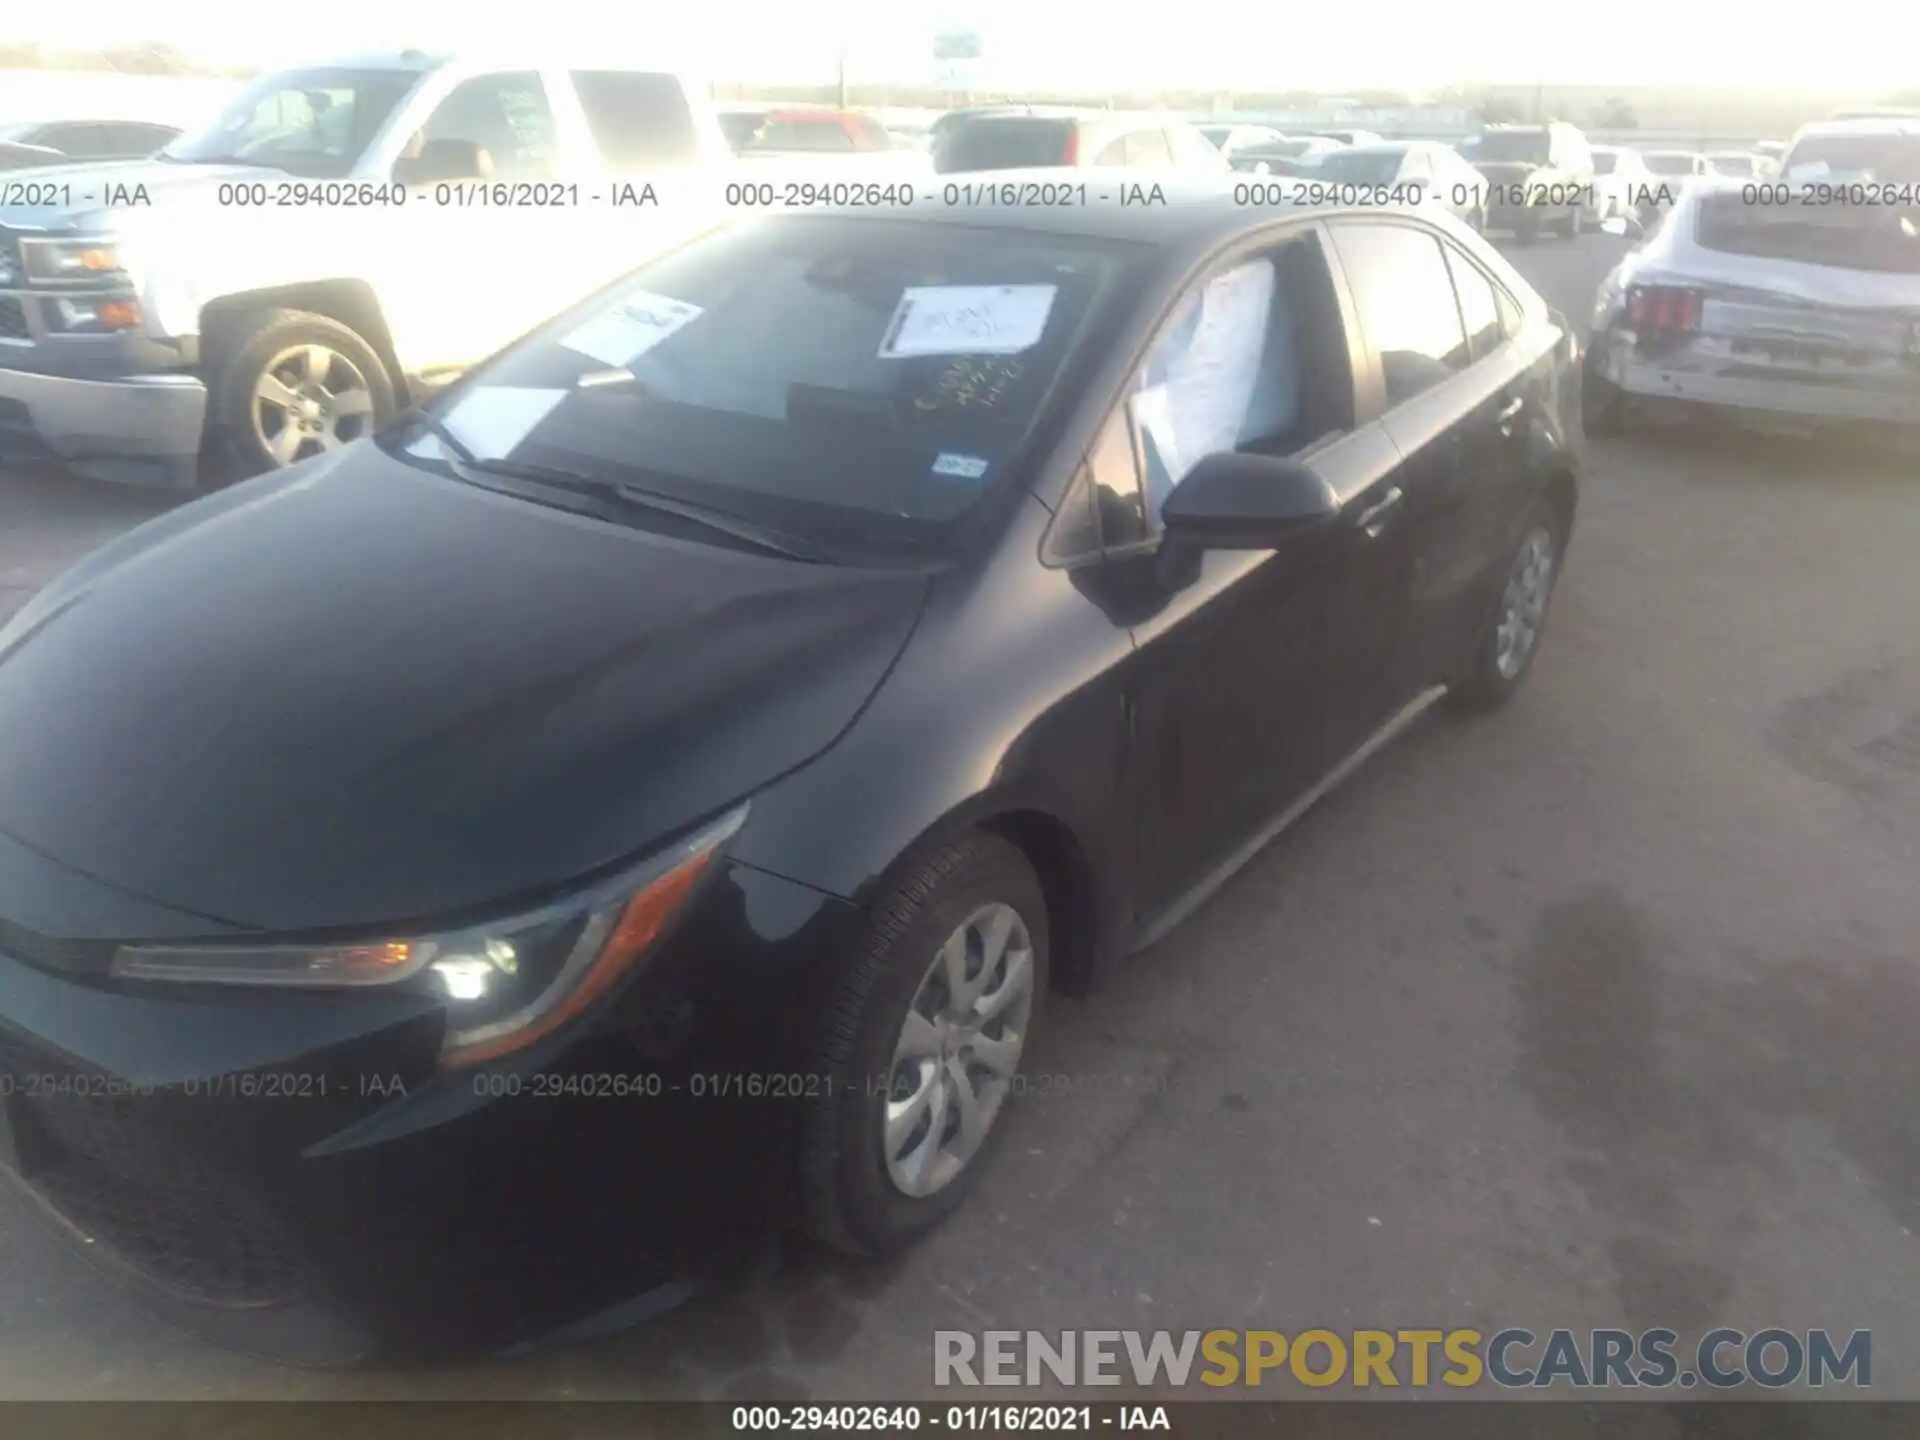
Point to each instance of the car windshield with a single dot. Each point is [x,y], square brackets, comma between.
[307,122]
[1893,158]
[1527,145]
[1836,234]
[1670,163]
[1605,162]
[861,383]
[1360,167]
[1003,142]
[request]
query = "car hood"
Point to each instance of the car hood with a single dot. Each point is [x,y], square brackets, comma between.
[98,193]
[363,694]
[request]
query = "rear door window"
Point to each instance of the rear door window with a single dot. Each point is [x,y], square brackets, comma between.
[637,118]
[1479,304]
[507,117]
[1404,292]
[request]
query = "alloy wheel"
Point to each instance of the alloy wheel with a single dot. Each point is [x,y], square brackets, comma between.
[958,1050]
[308,400]
[1523,608]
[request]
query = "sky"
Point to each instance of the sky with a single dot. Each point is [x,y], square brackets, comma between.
[1864,45]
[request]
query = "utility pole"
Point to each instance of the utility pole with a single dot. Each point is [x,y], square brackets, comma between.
[843,75]
[1539,103]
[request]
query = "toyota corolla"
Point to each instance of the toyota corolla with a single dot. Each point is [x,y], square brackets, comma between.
[656,786]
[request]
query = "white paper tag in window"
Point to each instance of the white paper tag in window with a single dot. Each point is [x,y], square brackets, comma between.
[967,320]
[635,325]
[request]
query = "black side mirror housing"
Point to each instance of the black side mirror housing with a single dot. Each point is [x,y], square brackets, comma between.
[1235,501]
[442,160]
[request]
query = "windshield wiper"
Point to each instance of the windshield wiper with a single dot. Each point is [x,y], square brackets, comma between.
[598,492]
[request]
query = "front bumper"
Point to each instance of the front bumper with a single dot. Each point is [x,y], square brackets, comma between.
[291,1173]
[140,428]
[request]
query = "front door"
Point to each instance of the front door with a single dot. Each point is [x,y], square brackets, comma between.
[1232,658]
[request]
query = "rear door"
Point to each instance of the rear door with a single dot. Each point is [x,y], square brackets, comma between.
[1450,415]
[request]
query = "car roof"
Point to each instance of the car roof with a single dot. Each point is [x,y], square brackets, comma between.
[1874,125]
[421,61]
[1201,209]
[1382,147]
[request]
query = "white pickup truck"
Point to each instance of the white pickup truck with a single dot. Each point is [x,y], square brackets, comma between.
[289,276]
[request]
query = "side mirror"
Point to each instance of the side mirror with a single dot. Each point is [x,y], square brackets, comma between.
[1231,501]
[442,160]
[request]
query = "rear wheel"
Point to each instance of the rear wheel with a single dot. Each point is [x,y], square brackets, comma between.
[922,1045]
[1511,639]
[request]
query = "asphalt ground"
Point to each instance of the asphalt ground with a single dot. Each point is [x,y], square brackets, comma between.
[1599,1011]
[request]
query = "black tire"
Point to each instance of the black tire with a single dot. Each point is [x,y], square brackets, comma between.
[1484,685]
[235,450]
[1526,229]
[848,1200]
[1576,222]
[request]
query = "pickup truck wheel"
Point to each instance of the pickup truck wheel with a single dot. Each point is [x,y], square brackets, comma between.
[288,385]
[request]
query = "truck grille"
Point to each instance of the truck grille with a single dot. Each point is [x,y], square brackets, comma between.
[171,1216]
[13,319]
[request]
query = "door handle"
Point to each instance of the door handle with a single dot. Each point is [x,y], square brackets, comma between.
[1376,517]
[1508,413]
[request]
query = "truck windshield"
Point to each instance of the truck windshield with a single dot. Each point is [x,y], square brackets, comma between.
[307,122]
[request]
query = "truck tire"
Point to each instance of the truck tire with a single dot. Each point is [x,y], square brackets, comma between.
[287,385]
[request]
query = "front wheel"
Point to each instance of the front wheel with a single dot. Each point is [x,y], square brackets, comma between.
[287,385]
[922,1044]
[1511,638]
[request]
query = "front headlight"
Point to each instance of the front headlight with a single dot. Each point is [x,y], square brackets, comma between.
[98,260]
[506,984]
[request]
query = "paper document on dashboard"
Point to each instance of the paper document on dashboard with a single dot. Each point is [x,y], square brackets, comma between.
[967,320]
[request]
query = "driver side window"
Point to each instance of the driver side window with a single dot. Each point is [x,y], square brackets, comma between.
[1253,359]
[507,117]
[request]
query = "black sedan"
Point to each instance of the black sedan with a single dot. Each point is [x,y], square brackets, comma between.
[451,886]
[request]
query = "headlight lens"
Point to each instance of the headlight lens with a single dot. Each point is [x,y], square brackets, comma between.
[505,984]
[94,260]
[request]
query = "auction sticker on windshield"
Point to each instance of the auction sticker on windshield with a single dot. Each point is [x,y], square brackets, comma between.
[967,320]
[490,420]
[638,323]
